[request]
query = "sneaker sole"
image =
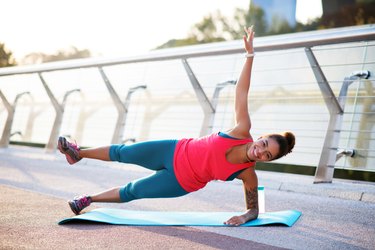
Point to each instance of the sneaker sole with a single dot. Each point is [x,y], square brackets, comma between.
[61,145]
[72,206]
[70,160]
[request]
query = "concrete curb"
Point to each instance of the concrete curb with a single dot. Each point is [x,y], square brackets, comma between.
[341,189]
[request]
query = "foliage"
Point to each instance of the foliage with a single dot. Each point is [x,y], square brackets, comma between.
[6,57]
[60,55]
[349,15]
[243,18]
[215,27]
[206,31]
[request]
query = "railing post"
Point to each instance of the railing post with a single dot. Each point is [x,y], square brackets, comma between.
[122,108]
[121,125]
[205,103]
[325,170]
[11,109]
[59,109]
[208,106]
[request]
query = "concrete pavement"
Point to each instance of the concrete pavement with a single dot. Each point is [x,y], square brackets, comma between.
[34,187]
[29,221]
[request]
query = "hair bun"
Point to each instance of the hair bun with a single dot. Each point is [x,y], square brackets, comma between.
[291,139]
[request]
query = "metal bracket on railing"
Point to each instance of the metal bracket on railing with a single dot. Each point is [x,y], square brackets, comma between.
[325,170]
[122,108]
[16,133]
[11,109]
[345,152]
[59,109]
[208,106]
[218,88]
[132,140]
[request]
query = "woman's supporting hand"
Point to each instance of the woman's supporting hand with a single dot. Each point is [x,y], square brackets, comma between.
[236,221]
[251,214]
[248,39]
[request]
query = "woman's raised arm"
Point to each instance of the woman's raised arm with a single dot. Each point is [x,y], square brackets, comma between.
[242,118]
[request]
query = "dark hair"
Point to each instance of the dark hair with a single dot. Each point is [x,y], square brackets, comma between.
[286,141]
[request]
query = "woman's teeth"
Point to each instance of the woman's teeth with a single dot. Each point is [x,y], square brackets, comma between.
[255,153]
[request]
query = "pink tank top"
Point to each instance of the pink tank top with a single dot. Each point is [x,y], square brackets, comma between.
[198,161]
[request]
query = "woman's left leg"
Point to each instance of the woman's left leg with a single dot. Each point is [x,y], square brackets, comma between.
[110,195]
[161,184]
[83,201]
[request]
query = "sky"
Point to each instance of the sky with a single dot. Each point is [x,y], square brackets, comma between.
[110,27]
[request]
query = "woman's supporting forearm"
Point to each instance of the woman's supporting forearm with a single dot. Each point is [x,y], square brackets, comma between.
[251,197]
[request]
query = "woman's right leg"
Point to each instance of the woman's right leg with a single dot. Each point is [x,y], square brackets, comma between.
[151,154]
[74,154]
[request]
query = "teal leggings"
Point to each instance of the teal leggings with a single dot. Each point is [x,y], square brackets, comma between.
[153,155]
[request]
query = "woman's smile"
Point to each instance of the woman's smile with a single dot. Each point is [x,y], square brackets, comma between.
[262,150]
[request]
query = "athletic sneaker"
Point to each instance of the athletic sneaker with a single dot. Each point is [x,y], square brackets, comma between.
[79,203]
[69,149]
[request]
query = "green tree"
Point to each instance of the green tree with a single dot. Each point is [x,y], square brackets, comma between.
[178,43]
[6,57]
[60,55]
[350,15]
[254,15]
[209,30]
[215,27]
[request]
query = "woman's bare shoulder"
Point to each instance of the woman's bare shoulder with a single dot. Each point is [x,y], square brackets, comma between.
[239,134]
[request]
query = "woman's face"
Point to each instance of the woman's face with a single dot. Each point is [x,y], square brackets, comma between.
[264,149]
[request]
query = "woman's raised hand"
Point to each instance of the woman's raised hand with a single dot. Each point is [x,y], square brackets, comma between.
[248,39]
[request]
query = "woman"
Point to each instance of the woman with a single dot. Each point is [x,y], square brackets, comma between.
[187,165]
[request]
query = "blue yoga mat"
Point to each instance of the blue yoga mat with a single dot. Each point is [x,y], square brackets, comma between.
[158,218]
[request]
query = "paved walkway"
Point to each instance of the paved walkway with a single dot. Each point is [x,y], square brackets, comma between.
[34,187]
[29,221]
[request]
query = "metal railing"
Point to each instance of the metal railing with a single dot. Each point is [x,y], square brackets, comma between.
[193,65]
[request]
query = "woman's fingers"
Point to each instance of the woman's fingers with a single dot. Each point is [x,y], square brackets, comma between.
[250,29]
[249,33]
[234,221]
[245,29]
[248,39]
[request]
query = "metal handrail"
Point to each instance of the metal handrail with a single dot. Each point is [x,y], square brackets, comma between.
[262,44]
